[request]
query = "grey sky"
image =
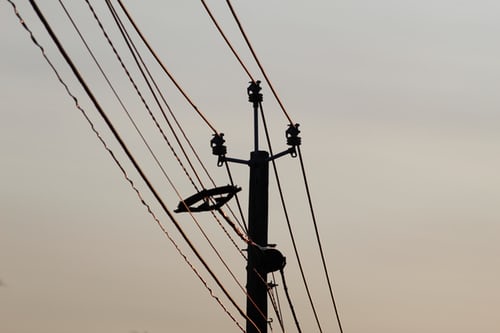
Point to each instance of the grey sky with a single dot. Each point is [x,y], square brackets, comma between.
[398,105]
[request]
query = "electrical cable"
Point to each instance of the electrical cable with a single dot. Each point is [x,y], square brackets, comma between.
[132,49]
[122,169]
[250,47]
[204,234]
[131,157]
[115,93]
[167,72]
[144,70]
[142,98]
[290,303]
[290,231]
[275,302]
[244,226]
[131,45]
[235,16]
[212,17]
[323,260]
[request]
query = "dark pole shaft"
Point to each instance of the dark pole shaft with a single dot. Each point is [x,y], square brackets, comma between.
[257,232]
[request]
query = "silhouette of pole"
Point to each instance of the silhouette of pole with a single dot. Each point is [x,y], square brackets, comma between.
[258,203]
[263,258]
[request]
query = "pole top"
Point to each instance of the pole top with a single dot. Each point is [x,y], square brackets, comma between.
[253,91]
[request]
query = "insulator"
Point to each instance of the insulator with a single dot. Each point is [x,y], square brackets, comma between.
[217,144]
[253,91]
[292,135]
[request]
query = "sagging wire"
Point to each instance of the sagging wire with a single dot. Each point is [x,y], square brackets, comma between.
[228,43]
[141,96]
[290,303]
[130,42]
[247,40]
[287,218]
[275,302]
[131,157]
[250,47]
[106,147]
[147,78]
[167,72]
[323,260]
[212,245]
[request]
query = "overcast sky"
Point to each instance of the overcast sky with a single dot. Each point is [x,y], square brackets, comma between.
[398,104]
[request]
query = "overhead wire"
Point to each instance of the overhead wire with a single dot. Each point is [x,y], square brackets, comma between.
[247,71]
[274,297]
[132,159]
[267,134]
[182,91]
[291,122]
[290,303]
[212,17]
[108,149]
[133,48]
[262,70]
[221,32]
[141,96]
[287,218]
[167,72]
[242,235]
[235,16]
[115,93]
[323,260]
[150,82]
[229,174]
[310,202]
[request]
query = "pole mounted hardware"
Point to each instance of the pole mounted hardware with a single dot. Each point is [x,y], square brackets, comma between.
[263,258]
[271,259]
[292,138]
[253,91]
[218,148]
[209,202]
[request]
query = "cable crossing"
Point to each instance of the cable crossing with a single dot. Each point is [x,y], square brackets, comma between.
[260,257]
[129,155]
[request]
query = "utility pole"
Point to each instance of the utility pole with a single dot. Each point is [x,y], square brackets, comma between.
[263,258]
[258,205]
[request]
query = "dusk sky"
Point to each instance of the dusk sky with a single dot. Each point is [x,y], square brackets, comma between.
[398,104]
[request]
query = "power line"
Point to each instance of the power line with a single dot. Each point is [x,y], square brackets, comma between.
[116,94]
[290,231]
[130,156]
[323,260]
[275,301]
[290,303]
[122,169]
[212,17]
[133,50]
[167,72]
[142,98]
[300,157]
[250,47]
